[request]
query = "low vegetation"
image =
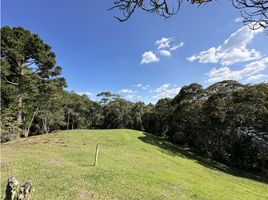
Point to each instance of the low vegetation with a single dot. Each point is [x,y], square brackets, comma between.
[131,165]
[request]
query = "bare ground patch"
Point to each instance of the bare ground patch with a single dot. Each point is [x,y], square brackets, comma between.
[4,166]
[85,194]
[55,162]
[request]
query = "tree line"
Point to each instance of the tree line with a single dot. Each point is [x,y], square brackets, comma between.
[226,121]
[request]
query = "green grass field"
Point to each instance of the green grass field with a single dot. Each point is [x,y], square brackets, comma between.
[131,165]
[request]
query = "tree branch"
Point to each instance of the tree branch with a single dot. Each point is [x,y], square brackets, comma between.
[10,82]
[254,12]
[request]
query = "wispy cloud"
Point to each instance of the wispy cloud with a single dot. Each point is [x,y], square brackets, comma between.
[149,57]
[130,94]
[250,72]
[85,93]
[166,90]
[233,50]
[138,85]
[163,43]
[128,91]
[238,19]
[165,53]
[257,77]
[176,46]
[164,48]
[145,87]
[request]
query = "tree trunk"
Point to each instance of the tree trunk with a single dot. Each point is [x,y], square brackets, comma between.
[20,87]
[72,123]
[44,122]
[28,129]
[19,115]
[68,119]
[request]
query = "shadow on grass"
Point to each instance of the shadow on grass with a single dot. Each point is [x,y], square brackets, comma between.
[170,149]
[88,165]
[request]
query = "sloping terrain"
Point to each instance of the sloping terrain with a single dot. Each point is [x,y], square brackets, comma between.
[131,165]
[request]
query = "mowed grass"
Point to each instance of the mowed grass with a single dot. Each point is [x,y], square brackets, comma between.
[131,165]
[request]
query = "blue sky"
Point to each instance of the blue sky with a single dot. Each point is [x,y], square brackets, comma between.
[147,57]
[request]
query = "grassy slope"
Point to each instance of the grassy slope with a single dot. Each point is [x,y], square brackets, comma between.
[131,165]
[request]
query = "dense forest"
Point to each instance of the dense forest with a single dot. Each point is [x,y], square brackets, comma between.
[226,121]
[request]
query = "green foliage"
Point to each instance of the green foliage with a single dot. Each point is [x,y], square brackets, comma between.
[27,66]
[208,120]
[24,51]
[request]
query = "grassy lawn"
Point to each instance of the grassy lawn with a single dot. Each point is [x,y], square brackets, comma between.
[131,165]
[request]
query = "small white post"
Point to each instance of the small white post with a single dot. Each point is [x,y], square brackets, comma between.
[96,155]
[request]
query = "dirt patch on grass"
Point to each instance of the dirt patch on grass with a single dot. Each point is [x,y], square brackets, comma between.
[84,194]
[55,162]
[37,141]
[28,141]
[4,166]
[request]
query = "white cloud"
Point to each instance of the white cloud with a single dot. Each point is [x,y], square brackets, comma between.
[166,90]
[127,91]
[257,77]
[164,47]
[149,57]
[233,50]
[223,73]
[85,93]
[251,72]
[129,94]
[138,85]
[176,46]
[145,87]
[165,53]
[238,19]
[163,43]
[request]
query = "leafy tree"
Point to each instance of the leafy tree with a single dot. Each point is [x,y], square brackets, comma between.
[77,110]
[224,122]
[137,111]
[27,61]
[187,114]
[106,97]
[48,110]
[117,114]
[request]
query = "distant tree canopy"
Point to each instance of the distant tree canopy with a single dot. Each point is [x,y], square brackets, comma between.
[254,12]
[226,121]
